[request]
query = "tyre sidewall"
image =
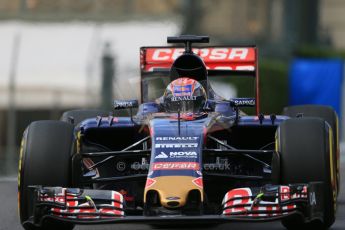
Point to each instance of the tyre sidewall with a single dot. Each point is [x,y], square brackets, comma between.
[306,151]
[44,160]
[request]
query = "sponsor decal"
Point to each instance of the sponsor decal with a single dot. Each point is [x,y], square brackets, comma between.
[71,207]
[182,90]
[183,98]
[162,155]
[183,154]
[240,202]
[175,166]
[150,182]
[176,145]
[238,205]
[243,101]
[284,193]
[220,58]
[312,198]
[208,54]
[198,182]
[121,104]
[176,138]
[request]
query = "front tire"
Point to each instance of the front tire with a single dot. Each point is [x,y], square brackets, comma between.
[44,160]
[328,114]
[306,153]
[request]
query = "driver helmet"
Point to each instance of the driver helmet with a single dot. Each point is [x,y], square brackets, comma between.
[184,95]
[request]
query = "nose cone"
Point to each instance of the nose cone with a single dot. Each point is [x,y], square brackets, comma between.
[173,190]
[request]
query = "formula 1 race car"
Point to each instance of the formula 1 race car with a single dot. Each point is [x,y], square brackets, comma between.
[188,156]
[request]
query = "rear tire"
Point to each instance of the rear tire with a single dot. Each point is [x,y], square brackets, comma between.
[79,115]
[45,159]
[328,114]
[305,156]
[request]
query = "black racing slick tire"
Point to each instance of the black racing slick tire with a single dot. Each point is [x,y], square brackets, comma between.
[44,160]
[328,114]
[306,153]
[78,115]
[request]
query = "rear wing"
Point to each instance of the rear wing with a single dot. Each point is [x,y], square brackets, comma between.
[222,60]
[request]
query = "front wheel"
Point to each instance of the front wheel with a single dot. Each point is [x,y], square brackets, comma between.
[306,153]
[330,116]
[44,160]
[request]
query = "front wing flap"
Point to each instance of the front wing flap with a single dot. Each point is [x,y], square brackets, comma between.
[274,201]
[267,203]
[74,203]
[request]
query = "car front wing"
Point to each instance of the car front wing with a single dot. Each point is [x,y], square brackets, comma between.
[267,203]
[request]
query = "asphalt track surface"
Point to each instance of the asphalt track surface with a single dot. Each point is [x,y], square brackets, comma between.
[9,218]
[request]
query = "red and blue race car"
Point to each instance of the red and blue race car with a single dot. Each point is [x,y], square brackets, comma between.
[186,156]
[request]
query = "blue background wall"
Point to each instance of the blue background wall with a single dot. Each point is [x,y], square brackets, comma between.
[316,81]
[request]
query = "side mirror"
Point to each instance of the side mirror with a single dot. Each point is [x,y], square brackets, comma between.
[241,102]
[125,104]
[209,105]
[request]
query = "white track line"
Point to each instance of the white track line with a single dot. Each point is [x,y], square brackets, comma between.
[8,179]
[342,152]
